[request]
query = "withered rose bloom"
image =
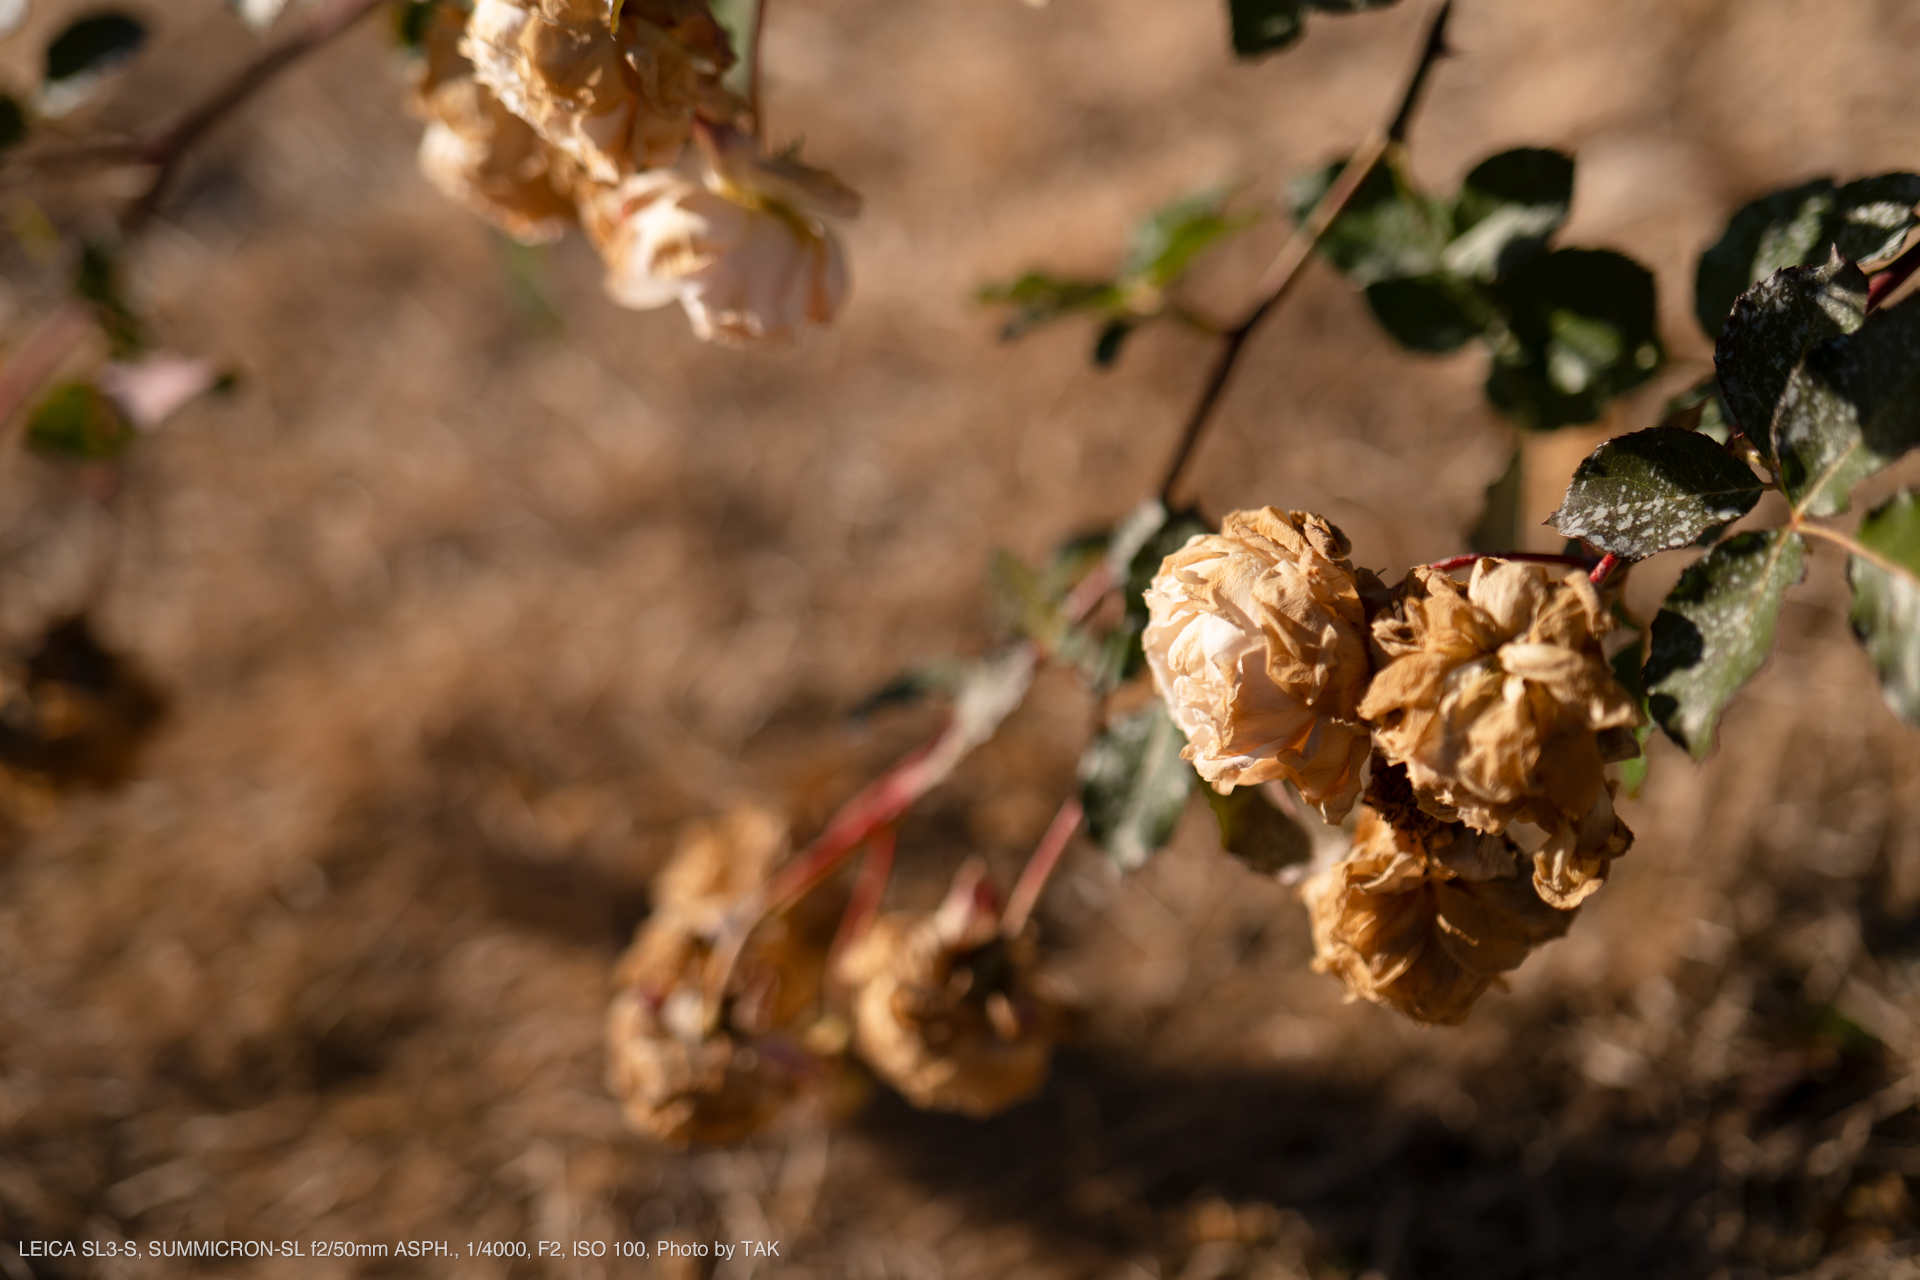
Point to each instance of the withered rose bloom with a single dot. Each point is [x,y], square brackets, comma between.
[1257,640]
[946,1010]
[1423,920]
[743,245]
[613,98]
[679,1079]
[1496,697]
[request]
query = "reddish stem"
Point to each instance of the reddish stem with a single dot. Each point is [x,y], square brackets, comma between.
[1892,276]
[1040,867]
[1604,570]
[875,869]
[1531,557]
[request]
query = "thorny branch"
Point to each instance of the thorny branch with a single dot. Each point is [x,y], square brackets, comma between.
[166,152]
[1279,277]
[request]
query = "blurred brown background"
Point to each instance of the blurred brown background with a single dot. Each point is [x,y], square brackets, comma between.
[478,587]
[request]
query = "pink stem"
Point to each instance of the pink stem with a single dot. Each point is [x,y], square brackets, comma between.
[875,869]
[1040,867]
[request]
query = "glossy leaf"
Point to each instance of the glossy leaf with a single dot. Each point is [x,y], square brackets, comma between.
[1509,207]
[1800,226]
[78,422]
[1886,603]
[1135,785]
[1581,331]
[1772,327]
[1715,631]
[1255,832]
[82,57]
[1849,409]
[1387,231]
[1433,314]
[1653,491]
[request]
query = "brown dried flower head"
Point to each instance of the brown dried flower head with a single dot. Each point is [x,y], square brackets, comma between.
[614,96]
[742,244]
[946,1010]
[1496,697]
[679,1079]
[481,155]
[1423,919]
[1257,640]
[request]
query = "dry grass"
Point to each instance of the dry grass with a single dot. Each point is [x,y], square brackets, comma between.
[461,618]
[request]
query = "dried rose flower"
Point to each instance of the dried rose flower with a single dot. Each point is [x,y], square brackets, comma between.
[1495,696]
[946,1009]
[681,1080]
[744,248]
[1423,919]
[478,153]
[615,97]
[1257,640]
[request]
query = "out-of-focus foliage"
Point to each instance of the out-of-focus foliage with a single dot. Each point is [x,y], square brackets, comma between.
[1886,604]
[1262,26]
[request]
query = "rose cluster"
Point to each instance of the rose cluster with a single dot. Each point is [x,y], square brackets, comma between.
[940,1005]
[613,115]
[1477,719]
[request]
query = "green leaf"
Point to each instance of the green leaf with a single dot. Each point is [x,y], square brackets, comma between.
[1850,408]
[1499,527]
[1798,227]
[78,423]
[1431,314]
[14,122]
[1700,409]
[1135,785]
[1262,26]
[1166,244]
[1509,207]
[1770,330]
[97,279]
[1038,298]
[1629,669]
[1653,491]
[1715,630]
[1886,605]
[1256,833]
[84,55]
[1387,231]
[1581,331]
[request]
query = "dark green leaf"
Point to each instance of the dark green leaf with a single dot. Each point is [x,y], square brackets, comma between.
[1716,629]
[1106,348]
[1851,407]
[1135,785]
[1772,327]
[1256,833]
[1864,220]
[1499,527]
[78,423]
[1653,491]
[1038,298]
[13,123]
[97,280]
[93,46]
[1509,207]
[1166,244]
[1387,231]
[1261,26]
[1581,332]
[1886,605]
[1433,314]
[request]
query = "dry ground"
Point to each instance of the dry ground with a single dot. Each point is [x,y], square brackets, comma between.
[462,615]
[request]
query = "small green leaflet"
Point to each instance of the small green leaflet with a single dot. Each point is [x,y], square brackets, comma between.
[1581,330]
[1886,605]
[1256,833]
[1135,785]
[78,423]
[1652,491]
[1167,243]
[1715,631]
[1772,327]
[1863,220]
[1850,408]
[1262,26]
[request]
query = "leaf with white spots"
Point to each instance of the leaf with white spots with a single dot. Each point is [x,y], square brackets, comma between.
[1652,491]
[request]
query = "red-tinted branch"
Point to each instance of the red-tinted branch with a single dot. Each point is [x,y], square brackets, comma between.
[875,870]
[1531,557]
[1604,570]
[1040,867]
[1279,277]
[1892,276]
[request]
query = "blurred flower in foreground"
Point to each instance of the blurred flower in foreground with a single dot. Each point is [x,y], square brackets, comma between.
[679,1080]
[1257,640]
[946,1009]
[744,248]
[1495,696]
[613,95]
[1422,918]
